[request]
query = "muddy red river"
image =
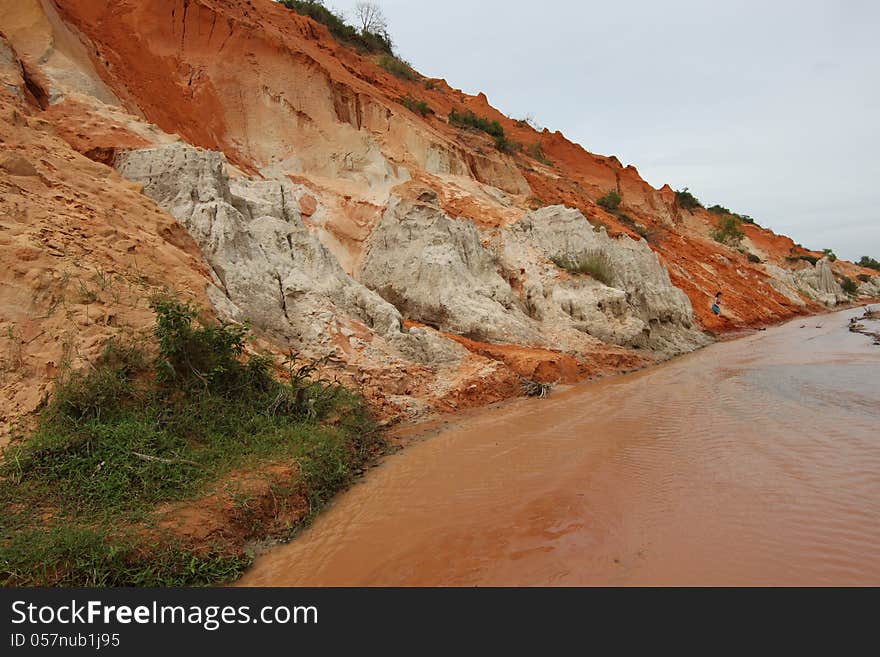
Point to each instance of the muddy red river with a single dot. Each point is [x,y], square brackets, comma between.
[754,461]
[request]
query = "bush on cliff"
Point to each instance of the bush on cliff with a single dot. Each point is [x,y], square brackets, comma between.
[467,119]
[134,431]
[418,106]
[611,201]
[849,286]
[687,200]
[870,263]
[365,40]
[398,67]
[728,230]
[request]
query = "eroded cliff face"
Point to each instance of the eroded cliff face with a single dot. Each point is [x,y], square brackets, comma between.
[277,176]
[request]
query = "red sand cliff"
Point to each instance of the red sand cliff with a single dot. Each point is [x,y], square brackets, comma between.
[275,92]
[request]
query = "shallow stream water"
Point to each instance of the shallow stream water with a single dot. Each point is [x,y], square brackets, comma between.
[754,461]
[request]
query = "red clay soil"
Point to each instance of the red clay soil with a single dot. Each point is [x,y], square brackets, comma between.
[190,66]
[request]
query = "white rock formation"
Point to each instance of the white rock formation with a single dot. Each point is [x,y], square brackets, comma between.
[437,270]
[870,289]
[274,271]
[816,282]
[636,306]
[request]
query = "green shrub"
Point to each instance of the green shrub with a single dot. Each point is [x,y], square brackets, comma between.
[398,68]
[468,119]
[754,259]
[830,255]
[687,200]
[134,431]
[370,42]
[718,209]
[870,263]
[849,286]
[417,106]
[728,230]
[594,265]
[506,145]
[611,201]
[864,278]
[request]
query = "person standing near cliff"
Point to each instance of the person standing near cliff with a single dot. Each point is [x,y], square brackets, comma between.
[716,307]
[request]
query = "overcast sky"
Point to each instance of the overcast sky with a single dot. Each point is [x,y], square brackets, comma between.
[768,108]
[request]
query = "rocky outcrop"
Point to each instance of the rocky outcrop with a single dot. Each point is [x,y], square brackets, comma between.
[815,282]
[870,289]
[436,270]
[272,270]
[637,305]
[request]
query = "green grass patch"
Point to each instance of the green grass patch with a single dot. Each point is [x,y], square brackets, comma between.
[346,34]
[418,106]
[134,431]
[76,555]
[594,265]
[686,200]
[507,146]
[398,68]
[869,262]
[728,230]
[849,286]
[468,119]
[611,201]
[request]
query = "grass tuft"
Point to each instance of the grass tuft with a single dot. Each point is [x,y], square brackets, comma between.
[595,265]
[137,430]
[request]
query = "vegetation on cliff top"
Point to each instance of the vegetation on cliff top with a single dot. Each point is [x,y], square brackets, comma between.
[398,67]
[870,263]
[371,36]
[81,493]
[687,200]
[720,209]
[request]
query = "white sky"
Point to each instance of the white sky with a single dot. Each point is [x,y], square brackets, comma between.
[770,107]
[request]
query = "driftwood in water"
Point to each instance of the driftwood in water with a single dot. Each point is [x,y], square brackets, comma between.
[535,388]
[855,325]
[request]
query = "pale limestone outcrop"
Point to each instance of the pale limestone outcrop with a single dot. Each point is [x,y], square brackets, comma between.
[435,270]
[271,268]
[870,289]
[816,282]
[506,288]
[639,306]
